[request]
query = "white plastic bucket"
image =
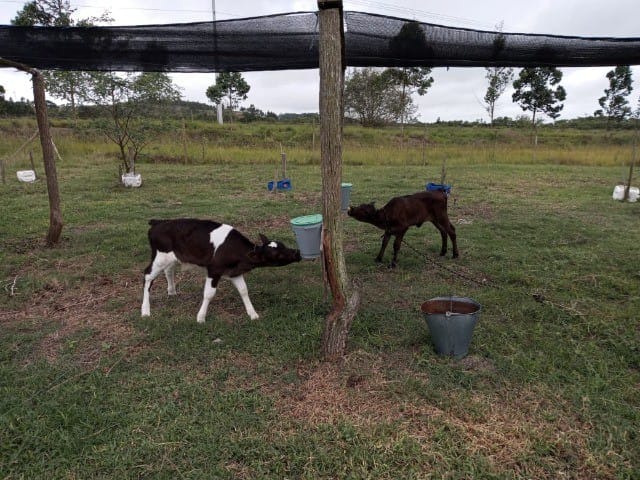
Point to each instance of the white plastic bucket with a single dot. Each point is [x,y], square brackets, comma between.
[618,193]
[132,179]
[27,176]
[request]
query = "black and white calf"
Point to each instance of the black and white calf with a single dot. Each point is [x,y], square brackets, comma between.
[218,247]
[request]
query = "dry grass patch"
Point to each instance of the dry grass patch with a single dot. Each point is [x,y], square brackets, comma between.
[512,429]
[74,308]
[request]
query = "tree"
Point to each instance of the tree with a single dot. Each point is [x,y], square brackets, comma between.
[410,80]
[2,92]
[535,92]
[65,85]
[48,13]
[499,78]
[614,105]
[230,85]
[372,96]
[123,98]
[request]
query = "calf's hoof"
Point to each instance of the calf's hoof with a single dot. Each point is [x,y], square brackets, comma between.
[200,319]
[378,260]
[392,265]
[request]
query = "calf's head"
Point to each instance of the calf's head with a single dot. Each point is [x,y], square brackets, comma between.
[363,213]
[274,254]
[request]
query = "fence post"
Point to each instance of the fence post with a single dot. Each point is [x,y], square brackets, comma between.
[48,155]
[331,63]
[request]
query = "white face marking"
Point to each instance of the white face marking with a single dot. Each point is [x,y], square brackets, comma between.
[273,245]
[219,235]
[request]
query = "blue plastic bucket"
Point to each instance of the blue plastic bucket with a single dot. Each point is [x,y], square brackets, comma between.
[438,187]
[284,184]
[308,231]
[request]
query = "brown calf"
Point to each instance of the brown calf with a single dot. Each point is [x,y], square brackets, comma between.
[400,213]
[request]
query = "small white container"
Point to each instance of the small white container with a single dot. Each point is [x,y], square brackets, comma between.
[618,193]
[28,176]
[132,179]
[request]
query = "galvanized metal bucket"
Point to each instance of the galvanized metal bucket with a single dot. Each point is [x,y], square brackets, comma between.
[451,321]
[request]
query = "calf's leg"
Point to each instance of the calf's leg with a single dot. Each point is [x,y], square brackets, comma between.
[210,287]
[161,261]
[241,286]
[443,236]
[396,247]
[169,274]
[385,240]
[452,235]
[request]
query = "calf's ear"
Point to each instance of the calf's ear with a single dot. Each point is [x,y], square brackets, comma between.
[264,239]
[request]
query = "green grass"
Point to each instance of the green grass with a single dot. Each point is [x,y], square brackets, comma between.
[88,389]
[197,142]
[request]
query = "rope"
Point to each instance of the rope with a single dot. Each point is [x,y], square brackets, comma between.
[538,297]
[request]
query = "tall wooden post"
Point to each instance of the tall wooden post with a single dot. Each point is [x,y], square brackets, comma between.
[345,298]
[48,149]
[55,214]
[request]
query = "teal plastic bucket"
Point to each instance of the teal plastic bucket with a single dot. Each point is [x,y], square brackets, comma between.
[345,190]
[451,321]
[308,230]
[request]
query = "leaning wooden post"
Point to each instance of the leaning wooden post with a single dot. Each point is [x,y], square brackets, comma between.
[55,214]
[345,298]
[48,151]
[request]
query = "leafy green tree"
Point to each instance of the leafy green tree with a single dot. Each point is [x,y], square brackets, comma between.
[410,80]
[2,92]
[123,99]
[229,85]
[253,114]
[65,85]
[48,13]
[614,104]
[537,89]
[374,97]
[499,78]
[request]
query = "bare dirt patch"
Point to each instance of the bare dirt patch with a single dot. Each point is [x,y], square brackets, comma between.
[81,307]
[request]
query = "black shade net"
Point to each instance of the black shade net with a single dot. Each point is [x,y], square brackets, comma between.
[290,41]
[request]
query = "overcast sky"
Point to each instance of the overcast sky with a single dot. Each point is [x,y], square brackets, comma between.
[456,93]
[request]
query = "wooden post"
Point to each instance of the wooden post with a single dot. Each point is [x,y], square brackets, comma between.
[48,155]
[633,161]
[283,158]
[345,299]
[55,214]
[33,165]
[184,142]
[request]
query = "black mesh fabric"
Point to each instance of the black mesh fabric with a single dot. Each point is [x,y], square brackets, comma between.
[290,41]
[374,40]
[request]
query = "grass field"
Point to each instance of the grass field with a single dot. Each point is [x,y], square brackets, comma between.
[88,389]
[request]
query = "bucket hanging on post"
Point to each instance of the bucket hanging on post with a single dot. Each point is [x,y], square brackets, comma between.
[345,190]
[308,230]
